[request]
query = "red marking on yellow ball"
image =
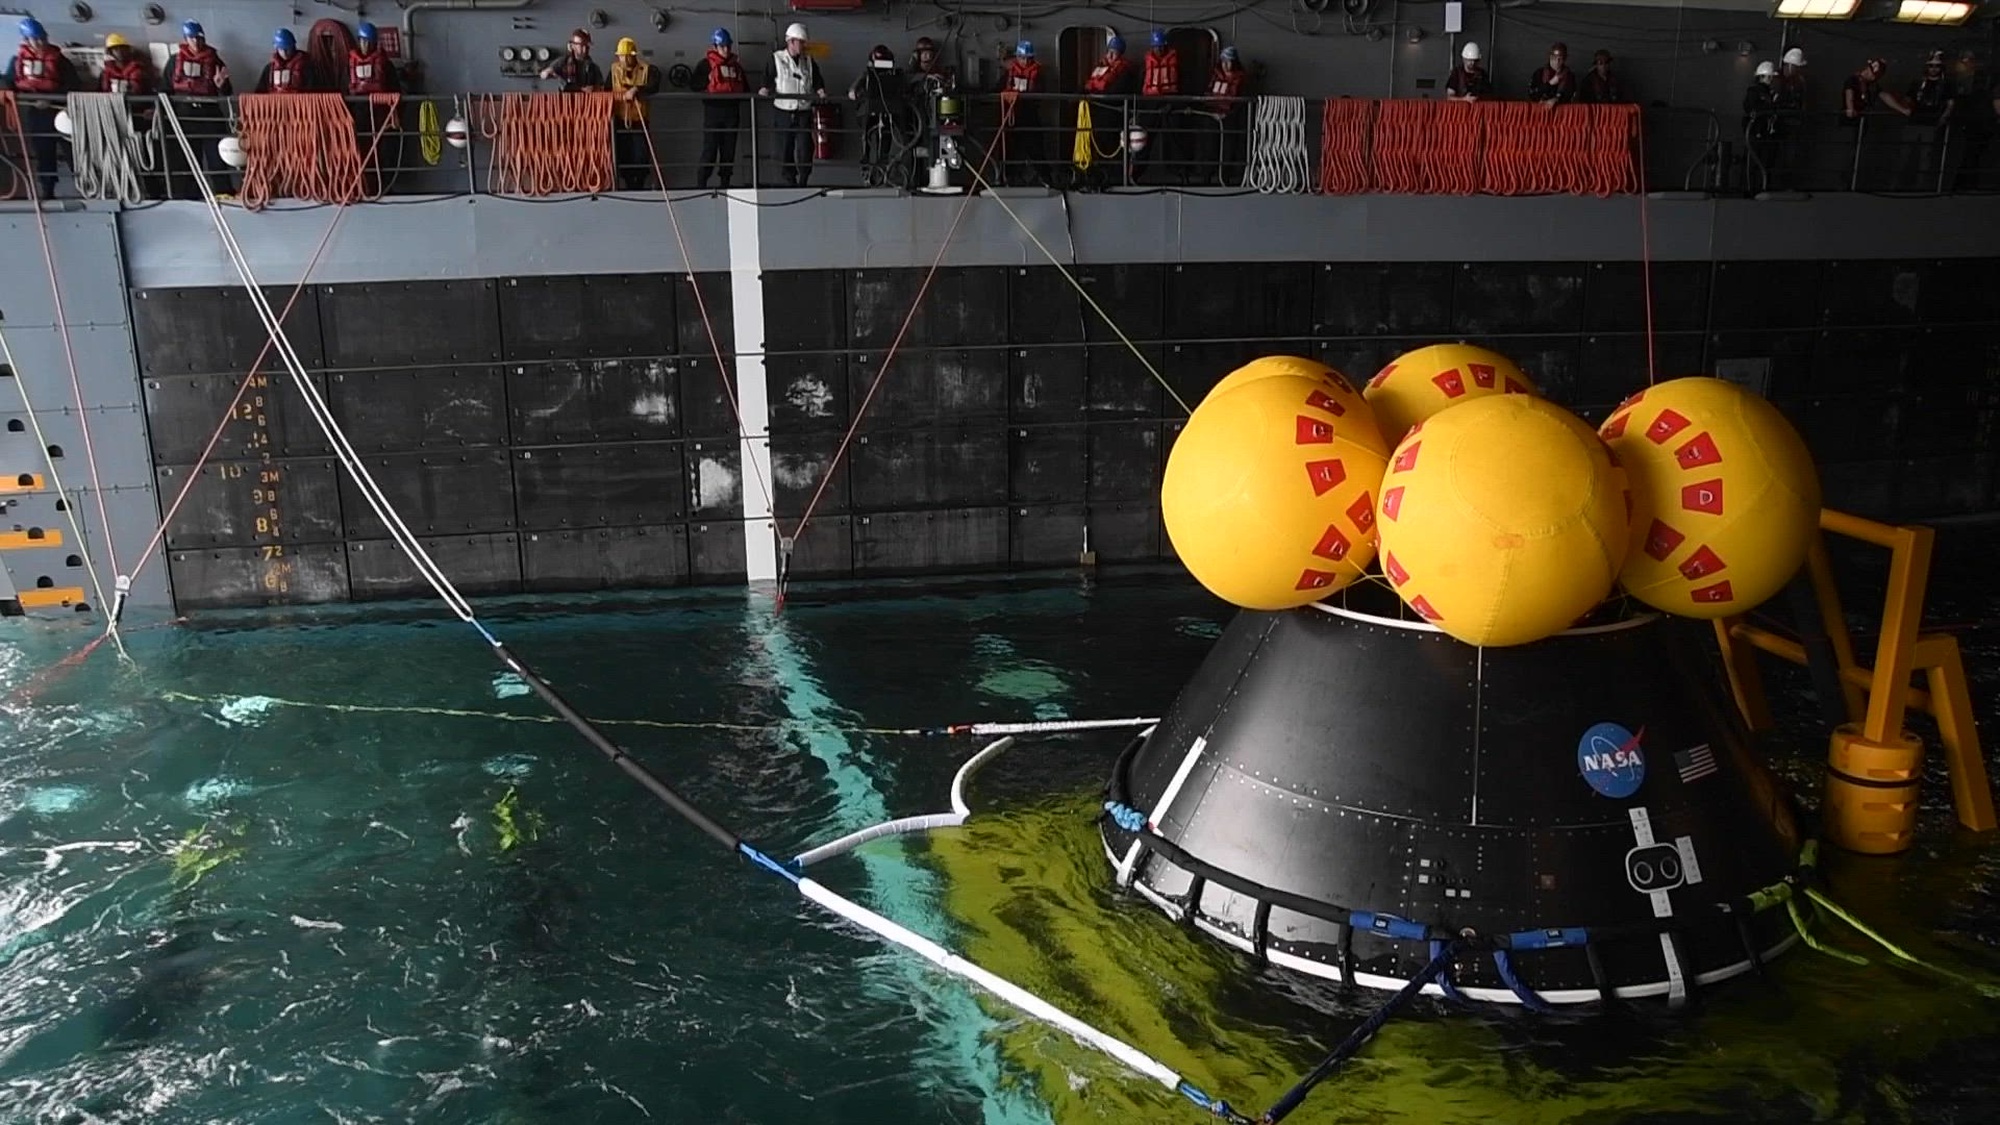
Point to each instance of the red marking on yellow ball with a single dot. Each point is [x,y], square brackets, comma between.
[1312,431]
[1392,502]
[1407,459]
[1705,496]
[1394,569]
[1362,512]
[1699,450]
[1662,541]
[1320,400]
[1665,425]
[1713,595]
[1424,609]
[1332,544]
[1325,475]
[1702,563]
[1450,382]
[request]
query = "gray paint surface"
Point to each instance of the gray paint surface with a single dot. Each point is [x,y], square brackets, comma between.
[88,268]
[174,244]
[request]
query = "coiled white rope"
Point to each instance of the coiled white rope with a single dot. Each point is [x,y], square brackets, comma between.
[1279,161]
[107,152]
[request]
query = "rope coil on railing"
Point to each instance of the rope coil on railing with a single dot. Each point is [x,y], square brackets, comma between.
[1345,128]
[302,146]
[1279,158]
[108,155]
[548,144]
[13,162]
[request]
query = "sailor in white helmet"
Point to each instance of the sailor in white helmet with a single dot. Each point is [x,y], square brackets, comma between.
[1760,127]
[1469,81]
[796,82]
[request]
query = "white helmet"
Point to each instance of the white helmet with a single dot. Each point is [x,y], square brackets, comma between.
[796,31]
[1766,69]
[1795,57]
[1469,52]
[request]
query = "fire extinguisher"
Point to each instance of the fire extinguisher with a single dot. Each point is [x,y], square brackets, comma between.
[826,130]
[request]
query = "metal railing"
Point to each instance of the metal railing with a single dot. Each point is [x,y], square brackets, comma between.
[933,143]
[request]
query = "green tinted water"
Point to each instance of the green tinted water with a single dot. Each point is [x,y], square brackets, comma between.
[227,895]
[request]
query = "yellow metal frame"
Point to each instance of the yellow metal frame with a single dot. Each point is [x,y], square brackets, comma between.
[1878,698]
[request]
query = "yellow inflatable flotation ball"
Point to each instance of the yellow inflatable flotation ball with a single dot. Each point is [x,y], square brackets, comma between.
[1269,494]
[1725,497]
[1503,520]
[1418,384]
[1342,389]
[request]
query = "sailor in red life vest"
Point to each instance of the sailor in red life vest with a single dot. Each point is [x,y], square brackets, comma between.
[124,71]
[370,71]
[197,72]
[290,71]
[40,70]
[720,75]
[1110,85]
[1022,129]
[1161,118]
[1220,145]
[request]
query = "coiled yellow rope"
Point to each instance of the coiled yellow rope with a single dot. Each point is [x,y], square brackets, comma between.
[431,132]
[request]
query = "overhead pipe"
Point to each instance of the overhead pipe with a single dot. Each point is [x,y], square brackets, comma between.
[410,13]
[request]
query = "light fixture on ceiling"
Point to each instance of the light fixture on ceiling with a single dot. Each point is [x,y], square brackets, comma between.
[1937,13]
[1817,9]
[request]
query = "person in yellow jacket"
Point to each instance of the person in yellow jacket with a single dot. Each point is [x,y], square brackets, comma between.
[633,80]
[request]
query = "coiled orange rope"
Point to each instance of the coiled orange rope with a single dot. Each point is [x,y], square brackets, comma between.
[1424,147]
[302,146]
[1344,139]
[548,144]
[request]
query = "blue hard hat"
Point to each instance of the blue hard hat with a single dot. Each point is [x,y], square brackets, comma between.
[31,28]
[1159,37]
[283,40]
[720,37]
[1229,53]
[1025,48]
[1115,44]
[191,30]
[364,31]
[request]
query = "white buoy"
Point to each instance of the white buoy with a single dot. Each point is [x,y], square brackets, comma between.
[455,132]
[231,151]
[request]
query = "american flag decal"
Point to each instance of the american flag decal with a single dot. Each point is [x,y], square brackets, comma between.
[1696,763]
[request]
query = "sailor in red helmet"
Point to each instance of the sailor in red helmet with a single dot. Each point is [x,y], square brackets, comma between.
[1219,144]
[44,73]
[1160,82]
[1110,85]
[720,75]
[1022,131]
[577,70]
[197,78]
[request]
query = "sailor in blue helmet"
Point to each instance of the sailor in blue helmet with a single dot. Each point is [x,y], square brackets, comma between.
[197,79]
[1218,120]
[371,72]
[290,71]
[44,74]
[720,75]
[1159,115]
[1022,123]
[1107,93]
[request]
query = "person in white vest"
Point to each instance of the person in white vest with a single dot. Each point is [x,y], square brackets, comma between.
[796,81]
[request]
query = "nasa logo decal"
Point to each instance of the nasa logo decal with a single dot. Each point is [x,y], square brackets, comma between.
[1610,759]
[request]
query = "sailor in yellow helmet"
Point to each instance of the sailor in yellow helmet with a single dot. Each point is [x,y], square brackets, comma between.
[633,80]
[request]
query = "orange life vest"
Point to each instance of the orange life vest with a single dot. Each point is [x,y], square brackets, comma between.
[1024,76]
[38,70]
[1224,86]
[367,74]
[725,73]
[197,73]
[1106,75]
[288,75]
[1163,73]
[126,78]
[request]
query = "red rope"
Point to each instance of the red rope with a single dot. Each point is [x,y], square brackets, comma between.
[979,176]
[1344,142]
[13,164]
[708,326]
